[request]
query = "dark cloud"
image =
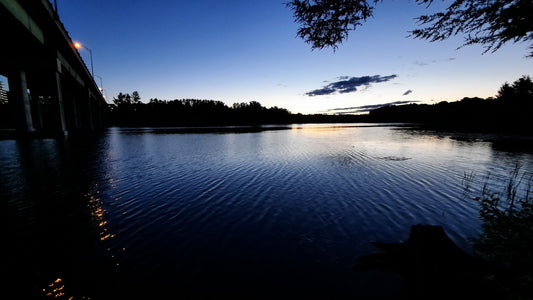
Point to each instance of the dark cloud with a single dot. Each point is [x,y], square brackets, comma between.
[366,108]
[347,84]
[407,92]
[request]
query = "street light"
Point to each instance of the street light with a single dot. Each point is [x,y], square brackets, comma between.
[79,46]
[101,88]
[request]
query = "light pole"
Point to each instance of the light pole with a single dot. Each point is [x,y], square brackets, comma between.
[79,46]
[101,85]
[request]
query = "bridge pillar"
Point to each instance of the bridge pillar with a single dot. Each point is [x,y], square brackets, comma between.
[37,112]
[21,101]
[59,94]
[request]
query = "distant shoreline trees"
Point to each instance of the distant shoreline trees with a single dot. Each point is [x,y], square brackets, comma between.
[509,111]
[128,110]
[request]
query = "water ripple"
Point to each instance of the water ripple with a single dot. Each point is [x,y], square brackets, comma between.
[191,207]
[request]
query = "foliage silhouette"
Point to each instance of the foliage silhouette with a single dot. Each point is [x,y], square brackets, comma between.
[128,110]
[509,111]
[507,238]
[326,23]
[433,267]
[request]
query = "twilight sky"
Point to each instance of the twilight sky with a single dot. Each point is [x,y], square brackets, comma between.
[247,50]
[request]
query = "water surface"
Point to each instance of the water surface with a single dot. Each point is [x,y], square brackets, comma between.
[264,212]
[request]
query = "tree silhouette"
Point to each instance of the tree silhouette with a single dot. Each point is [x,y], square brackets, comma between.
[135,98]
[520,91]
[326,23]
[510,111]
[489,23]
[127,110]
[122,99]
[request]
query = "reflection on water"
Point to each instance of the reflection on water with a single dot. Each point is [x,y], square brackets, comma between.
[231,212]
[97,213]
[56,289]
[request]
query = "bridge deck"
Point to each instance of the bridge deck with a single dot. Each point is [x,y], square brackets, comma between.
[50,87]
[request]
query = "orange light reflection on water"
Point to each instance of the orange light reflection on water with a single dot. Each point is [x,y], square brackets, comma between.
[56,290]
[98,213]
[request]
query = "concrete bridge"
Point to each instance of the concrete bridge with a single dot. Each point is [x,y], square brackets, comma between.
[50,88]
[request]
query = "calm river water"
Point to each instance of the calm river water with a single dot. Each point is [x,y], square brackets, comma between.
[275,211]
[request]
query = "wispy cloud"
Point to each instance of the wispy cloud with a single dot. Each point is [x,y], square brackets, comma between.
[347,84]
[366,108]
[407,92]
[422,63]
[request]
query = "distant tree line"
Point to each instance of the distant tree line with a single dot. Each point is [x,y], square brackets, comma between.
[510,111]
[128,110]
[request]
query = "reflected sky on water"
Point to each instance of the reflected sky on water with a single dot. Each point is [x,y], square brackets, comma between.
[234,212]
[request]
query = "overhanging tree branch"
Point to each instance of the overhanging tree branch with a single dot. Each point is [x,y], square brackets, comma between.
[490,23]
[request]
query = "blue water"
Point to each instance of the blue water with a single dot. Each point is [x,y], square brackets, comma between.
[275,211]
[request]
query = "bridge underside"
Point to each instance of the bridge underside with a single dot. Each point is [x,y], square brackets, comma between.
[50,88]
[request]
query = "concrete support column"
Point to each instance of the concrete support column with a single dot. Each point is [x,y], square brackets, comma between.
[37,113]
[19,86]
[59,93]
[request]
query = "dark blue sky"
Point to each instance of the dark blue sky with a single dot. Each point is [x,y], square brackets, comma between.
[247,50]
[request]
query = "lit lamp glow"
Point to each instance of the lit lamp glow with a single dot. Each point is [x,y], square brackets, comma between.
[79,46]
